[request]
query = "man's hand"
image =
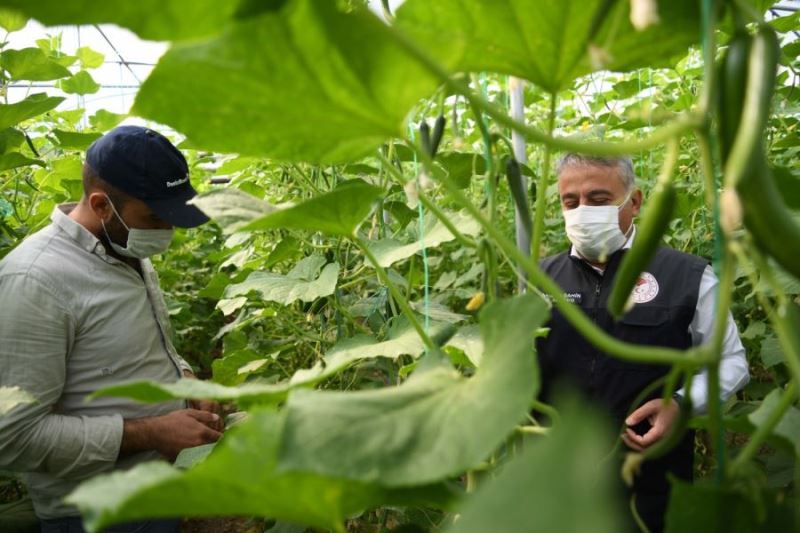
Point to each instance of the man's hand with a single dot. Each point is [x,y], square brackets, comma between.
[208,406]
[170,433]
[660,415]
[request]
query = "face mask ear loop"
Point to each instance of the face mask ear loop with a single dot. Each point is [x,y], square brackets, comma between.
[629,232]
[116,213]
[630,226]
[627,199]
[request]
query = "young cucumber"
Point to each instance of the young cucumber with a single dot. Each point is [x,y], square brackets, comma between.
[766,216]
[438,132]
[732,82]
[654,223]
[518,193]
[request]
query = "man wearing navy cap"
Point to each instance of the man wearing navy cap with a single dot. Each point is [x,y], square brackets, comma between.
[80,310]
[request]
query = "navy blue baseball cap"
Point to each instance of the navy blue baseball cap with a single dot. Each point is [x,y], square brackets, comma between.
[144,164]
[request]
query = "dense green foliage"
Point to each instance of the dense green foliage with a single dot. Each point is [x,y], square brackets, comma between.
[336,298]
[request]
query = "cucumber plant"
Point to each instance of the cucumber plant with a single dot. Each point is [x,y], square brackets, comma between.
[361,268]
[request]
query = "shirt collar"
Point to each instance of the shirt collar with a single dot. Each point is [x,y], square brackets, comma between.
[75,231]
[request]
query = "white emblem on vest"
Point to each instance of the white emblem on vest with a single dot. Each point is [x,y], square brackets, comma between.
[574,297]
[646,288]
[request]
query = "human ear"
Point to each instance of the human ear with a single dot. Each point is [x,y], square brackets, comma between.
[100,205]
[636,202]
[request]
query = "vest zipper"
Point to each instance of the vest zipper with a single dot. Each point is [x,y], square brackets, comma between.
[594,316]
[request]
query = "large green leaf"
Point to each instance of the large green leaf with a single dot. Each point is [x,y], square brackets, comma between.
[402,340]
[788,428]
[16,160]
[461,166]
[239,478]
[313,84]
[105,120]
[12,20]
[703,507]
[338,212]
[304,282]
[11,397]
[771,352]
[152,392]
[788,183]
[10,138]
[150,19]
[89,58]
[468,340]
[435,425]
[81,83]
[561,482]
[32,64]
[75,140]
[189,457]
[231,208]
[390,251]
[35,104]
[236,366]
[545,41]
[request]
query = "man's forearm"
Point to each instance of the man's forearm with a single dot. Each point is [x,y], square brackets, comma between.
[136,437]
[169,434]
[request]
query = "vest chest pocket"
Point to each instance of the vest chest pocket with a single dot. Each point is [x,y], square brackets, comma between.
[646,316]
[650,325]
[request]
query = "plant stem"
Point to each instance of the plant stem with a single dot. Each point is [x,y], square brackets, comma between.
[541,186]
[707,165]
[471,482]
[396,294]
[715,426]
[443,218]
[708,92]
[721,312]
[547,410]
[723,303]
[763,431]
[387,10]
[625,147]
[429,205]
[532,430]
[487,138]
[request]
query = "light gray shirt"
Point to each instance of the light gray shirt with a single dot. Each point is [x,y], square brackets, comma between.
[73,320]
[733,368]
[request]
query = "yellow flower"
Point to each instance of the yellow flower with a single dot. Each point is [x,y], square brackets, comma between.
[476,301]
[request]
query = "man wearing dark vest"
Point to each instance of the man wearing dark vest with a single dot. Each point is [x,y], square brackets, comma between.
[673,307]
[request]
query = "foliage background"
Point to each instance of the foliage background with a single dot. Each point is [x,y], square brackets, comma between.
[233,335]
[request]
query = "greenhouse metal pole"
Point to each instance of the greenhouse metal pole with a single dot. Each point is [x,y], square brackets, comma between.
[517,105]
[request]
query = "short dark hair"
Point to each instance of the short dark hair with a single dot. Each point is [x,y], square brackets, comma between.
[622,163]
[93,182]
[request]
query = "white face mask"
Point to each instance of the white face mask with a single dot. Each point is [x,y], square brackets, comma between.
[594,230]
[142,243]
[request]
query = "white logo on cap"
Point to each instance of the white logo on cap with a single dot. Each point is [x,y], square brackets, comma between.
[646,288]
[178,182]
